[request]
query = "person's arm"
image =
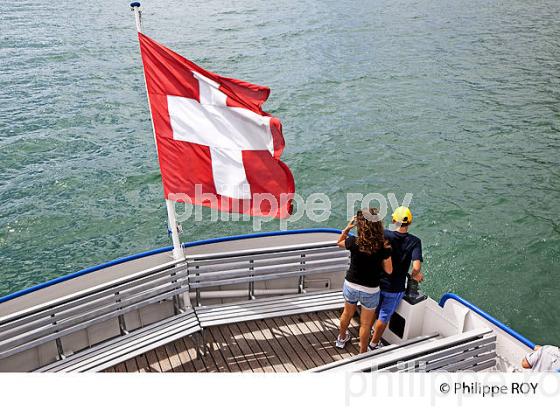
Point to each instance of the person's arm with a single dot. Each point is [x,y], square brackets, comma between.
[342,238]
[417,260]
[416,273]
[529,360]
[525,364]
[388,261]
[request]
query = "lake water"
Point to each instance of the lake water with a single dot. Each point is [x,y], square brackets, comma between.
[457,103]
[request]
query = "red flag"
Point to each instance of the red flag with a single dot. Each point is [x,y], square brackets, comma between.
[212,132]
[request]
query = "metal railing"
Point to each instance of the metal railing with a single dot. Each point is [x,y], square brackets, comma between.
[53,320]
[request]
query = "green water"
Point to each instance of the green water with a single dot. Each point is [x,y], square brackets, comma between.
[456,102]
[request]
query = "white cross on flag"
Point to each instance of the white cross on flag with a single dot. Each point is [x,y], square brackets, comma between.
[212,132]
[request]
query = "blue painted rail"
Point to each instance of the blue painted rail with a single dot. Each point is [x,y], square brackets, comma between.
[488,317]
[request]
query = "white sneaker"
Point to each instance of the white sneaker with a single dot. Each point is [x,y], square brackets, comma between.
[379,345]
[340,343]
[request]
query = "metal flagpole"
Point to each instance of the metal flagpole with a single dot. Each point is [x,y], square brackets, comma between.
[170,205]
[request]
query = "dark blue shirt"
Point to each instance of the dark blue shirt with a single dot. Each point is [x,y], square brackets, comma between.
[405,249]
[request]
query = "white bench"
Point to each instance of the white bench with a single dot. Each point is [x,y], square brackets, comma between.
[250,267]
[53,321]
[112,352]
[370,355]
[474,350]
[269,307]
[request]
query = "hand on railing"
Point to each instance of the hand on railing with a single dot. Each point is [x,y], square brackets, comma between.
[418,277]
[413,294]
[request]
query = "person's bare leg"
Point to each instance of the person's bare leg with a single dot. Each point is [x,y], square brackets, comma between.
[378,329]
[366,319]
[374,318]
[345,318]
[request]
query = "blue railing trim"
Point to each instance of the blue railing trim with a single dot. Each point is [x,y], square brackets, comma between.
[157,251]
[488,317]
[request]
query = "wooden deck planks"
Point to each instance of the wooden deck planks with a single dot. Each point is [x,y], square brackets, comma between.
[190,349]
[290,343]
[267,348]
[325,343]
[279,351]
[298,342]
[216,352]
[239,340]
[131,365]
[207,359]
[153,361]
[163,359]
[142,363]
[235,353]
[255,349]
[176,364]
[297,358]
[283,344]
[120,368]
[313,342]
[230,360]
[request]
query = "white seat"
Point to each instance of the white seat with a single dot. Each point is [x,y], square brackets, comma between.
[474,350]
[267,308]
[54,320]
[249,267]
[112,352]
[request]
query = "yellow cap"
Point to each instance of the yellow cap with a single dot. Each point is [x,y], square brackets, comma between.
[402,215]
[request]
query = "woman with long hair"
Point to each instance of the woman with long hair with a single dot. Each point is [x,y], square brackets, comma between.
[370,256]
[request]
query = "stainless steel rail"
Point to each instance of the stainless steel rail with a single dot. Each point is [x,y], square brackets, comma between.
[56,320]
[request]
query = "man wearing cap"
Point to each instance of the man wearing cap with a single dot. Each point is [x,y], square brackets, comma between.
[406,250]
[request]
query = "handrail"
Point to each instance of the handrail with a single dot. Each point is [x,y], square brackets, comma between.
[488,317]
[372,354]
[260,251]
[84,293]
[141,255]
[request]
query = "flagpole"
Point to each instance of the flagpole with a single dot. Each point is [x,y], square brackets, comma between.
[170,205]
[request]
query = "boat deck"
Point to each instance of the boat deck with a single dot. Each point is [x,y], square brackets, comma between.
[286,344]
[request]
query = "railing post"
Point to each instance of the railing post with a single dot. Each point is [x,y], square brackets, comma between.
[302,277]
[197,291]
[186,295]
[203,342]
[252,283]
[122,323]
[58,341]
[177,304]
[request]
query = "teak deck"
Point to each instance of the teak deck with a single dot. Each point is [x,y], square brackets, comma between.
[286,344]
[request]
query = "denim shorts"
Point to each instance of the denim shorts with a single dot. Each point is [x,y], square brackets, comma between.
[389,302]
[353,296]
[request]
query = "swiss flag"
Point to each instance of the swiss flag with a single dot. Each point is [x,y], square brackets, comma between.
[211,132]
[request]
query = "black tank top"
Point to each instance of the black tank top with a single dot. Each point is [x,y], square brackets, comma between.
[365,270]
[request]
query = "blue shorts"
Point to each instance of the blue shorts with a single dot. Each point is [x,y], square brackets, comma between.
[388,303]
[353,296]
